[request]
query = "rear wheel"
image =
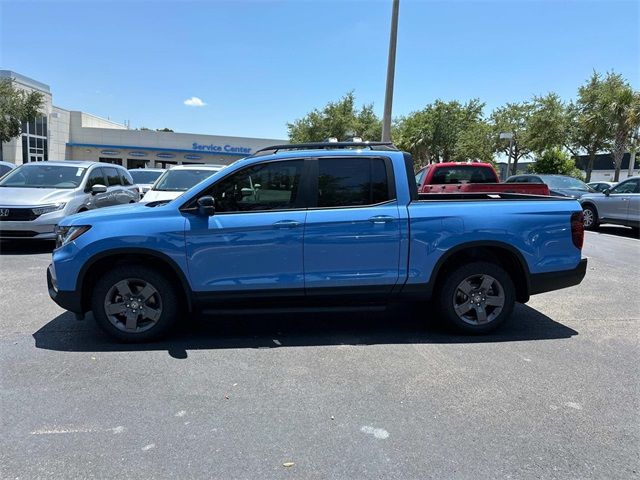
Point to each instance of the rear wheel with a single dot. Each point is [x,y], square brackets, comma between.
[134,304]
[477,297]
[590,216]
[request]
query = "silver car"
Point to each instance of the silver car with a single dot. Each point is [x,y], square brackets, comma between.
[619,205]
[35,196]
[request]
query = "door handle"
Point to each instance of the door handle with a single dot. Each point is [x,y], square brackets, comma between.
[381,219]
[287,224]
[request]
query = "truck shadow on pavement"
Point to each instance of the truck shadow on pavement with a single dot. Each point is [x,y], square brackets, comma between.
[26,247]
[398,325]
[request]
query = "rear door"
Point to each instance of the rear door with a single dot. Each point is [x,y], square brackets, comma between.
[352,232]
[114,186]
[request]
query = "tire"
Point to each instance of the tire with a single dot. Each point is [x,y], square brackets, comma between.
[590,215]
[142,303]
[482,281]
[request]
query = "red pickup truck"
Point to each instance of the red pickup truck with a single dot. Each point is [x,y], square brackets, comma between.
[476,177]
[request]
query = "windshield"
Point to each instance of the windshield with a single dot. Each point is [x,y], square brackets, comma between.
[41,175]
[181,180]
[144,176]
[567,183]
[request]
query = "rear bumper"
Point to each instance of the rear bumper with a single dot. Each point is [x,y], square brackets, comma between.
[546,282]
[69,300]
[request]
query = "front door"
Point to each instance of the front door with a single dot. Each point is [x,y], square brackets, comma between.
[253,242]
[352,235]
[616,205]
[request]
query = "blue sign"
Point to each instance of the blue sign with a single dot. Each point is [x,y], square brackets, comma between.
[109,152]
[193,157]
[138,154]
[165,155]
[221,149]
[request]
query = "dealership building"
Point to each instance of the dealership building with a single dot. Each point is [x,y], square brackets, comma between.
[62,134]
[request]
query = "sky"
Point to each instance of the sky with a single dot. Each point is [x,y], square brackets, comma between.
[247,68]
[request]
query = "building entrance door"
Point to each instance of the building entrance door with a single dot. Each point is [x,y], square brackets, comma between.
[136,163]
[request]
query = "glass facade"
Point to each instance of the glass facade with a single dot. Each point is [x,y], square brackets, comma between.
[35,145]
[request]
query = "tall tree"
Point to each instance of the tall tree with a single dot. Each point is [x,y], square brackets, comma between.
[548,123]
[589,128]
[435,133]
[339,119]
[475,143]
[513,118]
[621,108]
[17,106]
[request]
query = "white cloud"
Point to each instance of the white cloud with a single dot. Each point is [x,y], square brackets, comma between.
[194,102]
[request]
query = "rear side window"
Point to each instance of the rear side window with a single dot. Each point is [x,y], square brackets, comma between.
[126,178]
[347,182]
[420,176]
[113,178]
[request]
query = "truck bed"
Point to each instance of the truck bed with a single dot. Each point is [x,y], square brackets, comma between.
[527,188]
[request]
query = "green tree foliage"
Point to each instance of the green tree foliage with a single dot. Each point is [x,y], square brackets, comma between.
[588,127]
[513,118]
[548,123]
[339,119]
[620,106]
[475,142]
[16,107]
[441,132]
[165,129]
[555,161]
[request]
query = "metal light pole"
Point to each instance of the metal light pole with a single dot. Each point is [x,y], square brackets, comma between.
[508,136]
[634,147]
[391,67]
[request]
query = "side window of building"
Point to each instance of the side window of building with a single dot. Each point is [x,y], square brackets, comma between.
[126,178]
[113,178]
[96,177]
[348,182]
[268,186]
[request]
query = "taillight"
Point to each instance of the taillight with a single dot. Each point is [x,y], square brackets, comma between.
[577,229]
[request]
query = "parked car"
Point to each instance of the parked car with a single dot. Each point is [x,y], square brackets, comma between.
[619,205]
[177,180]
[6,167]
[34,197]
[145,178]
[602,186]
[315,226]
[559,185]
[456,177]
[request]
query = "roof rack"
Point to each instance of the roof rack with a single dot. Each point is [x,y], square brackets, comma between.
[325,146]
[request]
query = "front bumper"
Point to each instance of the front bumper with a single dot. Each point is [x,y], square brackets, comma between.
[546,282]
[69,300]
[27,230]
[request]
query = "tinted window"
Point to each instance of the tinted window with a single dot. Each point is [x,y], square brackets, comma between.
[125,178]
[630,186]
[420,176]
[95,178]
[516,180]
[113,178]
[268,186]
[462,174]
[44,176]
[344,182]
[566,183]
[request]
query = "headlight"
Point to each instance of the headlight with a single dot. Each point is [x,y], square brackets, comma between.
[65,235]
[48,208]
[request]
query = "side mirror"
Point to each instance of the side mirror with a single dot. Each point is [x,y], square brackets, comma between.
[206,206]
[97,188]
[607,192]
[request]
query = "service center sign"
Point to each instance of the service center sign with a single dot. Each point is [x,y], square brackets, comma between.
[230,149]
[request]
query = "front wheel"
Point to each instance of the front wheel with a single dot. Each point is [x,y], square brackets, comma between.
[477,297]
[590,217]
[134,304]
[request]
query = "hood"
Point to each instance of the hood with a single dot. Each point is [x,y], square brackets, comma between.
[567,192]
[27,197]
[90,216]
[155,195]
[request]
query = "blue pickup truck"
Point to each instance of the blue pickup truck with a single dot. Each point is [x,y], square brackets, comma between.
[336,225]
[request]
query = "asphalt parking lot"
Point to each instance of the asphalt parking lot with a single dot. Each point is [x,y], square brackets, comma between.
[554,394]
